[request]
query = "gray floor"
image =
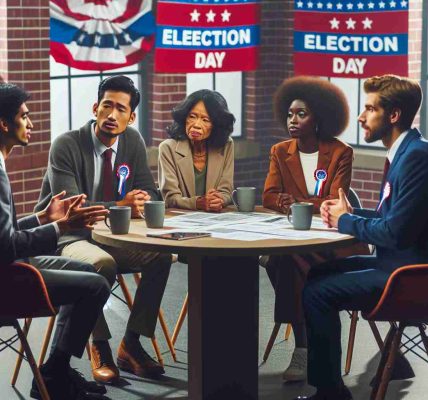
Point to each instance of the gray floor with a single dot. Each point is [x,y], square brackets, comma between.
[174,383]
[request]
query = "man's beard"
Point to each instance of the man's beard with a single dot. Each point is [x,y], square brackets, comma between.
[109,135]
[380,132]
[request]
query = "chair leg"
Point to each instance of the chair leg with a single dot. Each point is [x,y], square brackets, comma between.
[167,335]
[20,357]
[424,337]
[180,319]
[351,341]
[376,334]
[46,340]
[36,372]
[157,351]
[287,332]
[386,365]
[125,291]
[272,338]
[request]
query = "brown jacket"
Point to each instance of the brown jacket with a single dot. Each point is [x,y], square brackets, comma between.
[177,176]
[286,173]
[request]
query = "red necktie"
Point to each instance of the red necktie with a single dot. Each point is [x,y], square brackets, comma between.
[385,171]
[107,176]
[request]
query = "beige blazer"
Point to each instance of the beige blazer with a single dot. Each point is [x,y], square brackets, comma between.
[177,177]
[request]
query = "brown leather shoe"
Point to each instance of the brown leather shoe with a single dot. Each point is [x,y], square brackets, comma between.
[104,369]
[138,362]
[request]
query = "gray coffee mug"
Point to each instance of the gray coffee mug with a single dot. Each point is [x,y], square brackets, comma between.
[245,198]
[154,213]
[120,217]
[301,217]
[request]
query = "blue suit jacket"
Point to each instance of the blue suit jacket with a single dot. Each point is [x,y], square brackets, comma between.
[23,238]
[400,228]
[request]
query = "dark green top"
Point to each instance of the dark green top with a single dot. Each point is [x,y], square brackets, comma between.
[200,181]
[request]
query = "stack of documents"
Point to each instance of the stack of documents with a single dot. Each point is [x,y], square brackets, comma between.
[248,226]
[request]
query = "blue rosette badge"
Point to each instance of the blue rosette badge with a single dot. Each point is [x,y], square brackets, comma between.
[123,172]
[320,177]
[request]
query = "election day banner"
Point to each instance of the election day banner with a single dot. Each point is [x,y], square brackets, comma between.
[351,38]
[101,34]
[207,35]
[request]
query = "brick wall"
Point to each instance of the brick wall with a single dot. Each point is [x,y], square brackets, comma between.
[24,60]
[366,181]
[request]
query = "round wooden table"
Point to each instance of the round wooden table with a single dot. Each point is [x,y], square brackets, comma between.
[223,313]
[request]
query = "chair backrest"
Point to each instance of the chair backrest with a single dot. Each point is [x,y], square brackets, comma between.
[404,297]
[354,199]
[23,293]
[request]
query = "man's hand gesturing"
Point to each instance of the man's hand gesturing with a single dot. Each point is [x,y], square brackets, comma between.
[78,217]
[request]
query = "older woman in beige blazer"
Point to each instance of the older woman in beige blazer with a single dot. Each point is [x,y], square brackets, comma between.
[196,165]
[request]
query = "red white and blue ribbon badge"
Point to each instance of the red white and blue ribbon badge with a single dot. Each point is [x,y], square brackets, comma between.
[386,193]
[123,172]
[320,177]
[101,34]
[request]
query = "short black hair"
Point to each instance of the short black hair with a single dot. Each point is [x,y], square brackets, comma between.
[221,118]
[325,100]
[119,83]
[11,98]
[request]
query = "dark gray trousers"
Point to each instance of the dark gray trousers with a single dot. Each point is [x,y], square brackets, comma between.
[80,293]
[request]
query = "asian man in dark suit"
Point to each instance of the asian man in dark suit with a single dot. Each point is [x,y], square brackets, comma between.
[79,292]
[398,228]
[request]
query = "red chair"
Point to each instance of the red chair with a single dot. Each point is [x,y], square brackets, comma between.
[404,303]
[23,294]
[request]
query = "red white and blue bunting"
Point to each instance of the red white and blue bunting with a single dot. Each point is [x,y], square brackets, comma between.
[101,34]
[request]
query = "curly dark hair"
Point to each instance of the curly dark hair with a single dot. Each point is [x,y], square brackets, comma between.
[222,119]
[325,100]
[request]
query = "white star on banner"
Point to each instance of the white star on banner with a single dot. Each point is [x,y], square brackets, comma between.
[403,3]
[360,6]
[310,4]
[381,4]
[334,23]
[210,16]
[350,23]
[97,39]
[320,5]
[225,16]
[339,6]
[367,23]
[329,6]
[392,4]
[371,5]
[349,6]
[299,4]
[127,38]
[194,15]
[81,37]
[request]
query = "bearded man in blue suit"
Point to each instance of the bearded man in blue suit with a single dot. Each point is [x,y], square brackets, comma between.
[398,228]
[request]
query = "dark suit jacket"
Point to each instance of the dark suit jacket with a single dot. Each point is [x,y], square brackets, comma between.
[71,168]
[286,173]
[23,238]
[400,228]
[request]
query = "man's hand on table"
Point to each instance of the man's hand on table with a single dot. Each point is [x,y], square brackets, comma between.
[135,199]
[332,210]
[211,202]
